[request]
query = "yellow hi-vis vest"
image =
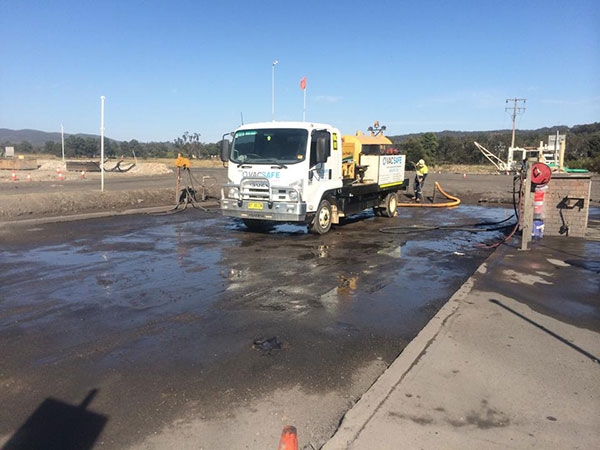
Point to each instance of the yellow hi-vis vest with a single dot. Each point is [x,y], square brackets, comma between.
[422,171]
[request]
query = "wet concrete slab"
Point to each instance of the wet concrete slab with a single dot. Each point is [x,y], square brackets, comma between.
[511,361]
[160,313]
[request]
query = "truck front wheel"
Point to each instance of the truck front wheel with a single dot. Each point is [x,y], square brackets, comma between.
[322,222]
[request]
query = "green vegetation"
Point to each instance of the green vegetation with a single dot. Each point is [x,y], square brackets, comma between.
[89,146]
[445,147]
[456,147]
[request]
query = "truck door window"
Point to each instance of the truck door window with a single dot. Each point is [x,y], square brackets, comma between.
[313,145]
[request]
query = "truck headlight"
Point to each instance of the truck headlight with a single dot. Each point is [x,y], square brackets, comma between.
[293,196]
[234,193]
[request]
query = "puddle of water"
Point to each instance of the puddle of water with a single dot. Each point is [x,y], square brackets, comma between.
[126,276]
[156,270]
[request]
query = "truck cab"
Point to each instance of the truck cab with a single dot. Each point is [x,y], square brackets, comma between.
[288,172]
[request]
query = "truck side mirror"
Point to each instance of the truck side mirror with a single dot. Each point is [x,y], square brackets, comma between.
[322,149]
[225,150]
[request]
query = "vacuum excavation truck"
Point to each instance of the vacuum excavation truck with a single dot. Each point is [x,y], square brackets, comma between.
[308,173]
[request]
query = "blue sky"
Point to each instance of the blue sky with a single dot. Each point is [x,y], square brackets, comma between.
[173,66]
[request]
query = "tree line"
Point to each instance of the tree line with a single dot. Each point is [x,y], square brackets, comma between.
[446,147]
[582,150]
[82,146]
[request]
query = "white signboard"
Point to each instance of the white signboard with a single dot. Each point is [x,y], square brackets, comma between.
[391,169]
[9,152]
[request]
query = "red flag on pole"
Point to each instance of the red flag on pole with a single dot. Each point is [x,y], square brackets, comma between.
[303,83]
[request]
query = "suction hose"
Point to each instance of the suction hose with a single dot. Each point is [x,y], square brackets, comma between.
[455,201]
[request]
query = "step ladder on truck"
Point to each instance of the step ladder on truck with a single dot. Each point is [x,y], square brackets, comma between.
[308,173]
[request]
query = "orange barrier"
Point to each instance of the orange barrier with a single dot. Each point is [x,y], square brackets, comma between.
[289,439]
[455,200]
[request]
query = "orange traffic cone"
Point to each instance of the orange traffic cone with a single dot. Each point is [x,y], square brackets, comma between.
[28,178]
[82,176]
[14,176]
[289,439]
[60,176]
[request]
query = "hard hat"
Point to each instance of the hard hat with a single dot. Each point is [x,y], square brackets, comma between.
[421,163]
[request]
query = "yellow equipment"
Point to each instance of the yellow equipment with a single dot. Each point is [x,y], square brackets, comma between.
[182,162]
[353,147]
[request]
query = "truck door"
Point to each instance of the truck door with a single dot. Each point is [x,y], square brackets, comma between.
[322,176]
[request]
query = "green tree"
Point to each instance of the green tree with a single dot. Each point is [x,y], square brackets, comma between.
[53,148]
[414,151]
[189,144]
[24,147]
[430,144]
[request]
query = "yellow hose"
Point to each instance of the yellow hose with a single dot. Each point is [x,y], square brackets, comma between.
[455,200]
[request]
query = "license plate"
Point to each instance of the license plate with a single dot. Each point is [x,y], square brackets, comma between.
[255,205]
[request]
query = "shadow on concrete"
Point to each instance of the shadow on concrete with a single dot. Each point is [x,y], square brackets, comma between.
[546,330]
[592,266]
[56,425]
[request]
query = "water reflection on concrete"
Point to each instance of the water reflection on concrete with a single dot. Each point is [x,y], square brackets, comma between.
[166,308]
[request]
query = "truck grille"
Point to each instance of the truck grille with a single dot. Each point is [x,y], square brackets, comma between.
[255,189]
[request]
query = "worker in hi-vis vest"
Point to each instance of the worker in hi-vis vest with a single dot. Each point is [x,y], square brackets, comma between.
[421,174]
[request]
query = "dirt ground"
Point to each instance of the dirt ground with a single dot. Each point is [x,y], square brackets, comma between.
[153,184]
[48,198]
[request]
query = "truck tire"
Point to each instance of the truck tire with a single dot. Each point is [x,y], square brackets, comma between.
[322,222]
[391,205]
[257,226]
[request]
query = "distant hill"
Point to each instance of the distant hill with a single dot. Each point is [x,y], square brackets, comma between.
[35,137]
[465,134]
[39,138]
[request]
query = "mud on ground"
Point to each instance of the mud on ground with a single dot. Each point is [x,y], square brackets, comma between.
[23,199]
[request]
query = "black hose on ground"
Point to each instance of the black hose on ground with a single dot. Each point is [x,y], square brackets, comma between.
[186,198]
[471,228]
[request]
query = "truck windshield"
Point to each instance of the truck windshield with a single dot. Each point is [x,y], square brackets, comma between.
[269,146]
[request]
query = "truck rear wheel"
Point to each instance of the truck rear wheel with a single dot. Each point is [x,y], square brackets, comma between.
[322,222]
[391,204]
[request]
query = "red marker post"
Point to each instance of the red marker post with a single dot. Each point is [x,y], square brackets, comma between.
[303,87]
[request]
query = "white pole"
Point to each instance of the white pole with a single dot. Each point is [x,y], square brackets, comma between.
[273,90]
[304,110]
[102,144]
[62,138]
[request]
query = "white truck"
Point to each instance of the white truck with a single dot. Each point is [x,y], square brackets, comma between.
[308,173]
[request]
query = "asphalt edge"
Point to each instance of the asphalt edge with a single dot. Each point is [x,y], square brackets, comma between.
[93,215]
[358,417]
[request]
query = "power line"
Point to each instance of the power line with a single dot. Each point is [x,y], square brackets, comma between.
[515,110]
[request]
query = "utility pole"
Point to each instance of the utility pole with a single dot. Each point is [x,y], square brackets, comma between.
[273,90]
[516,109]
[102,98]
[62,138]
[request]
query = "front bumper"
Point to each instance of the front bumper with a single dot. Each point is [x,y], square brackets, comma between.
[275,211]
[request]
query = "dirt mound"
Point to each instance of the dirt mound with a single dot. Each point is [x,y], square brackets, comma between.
[51,165]
[150,168]
[58,203]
